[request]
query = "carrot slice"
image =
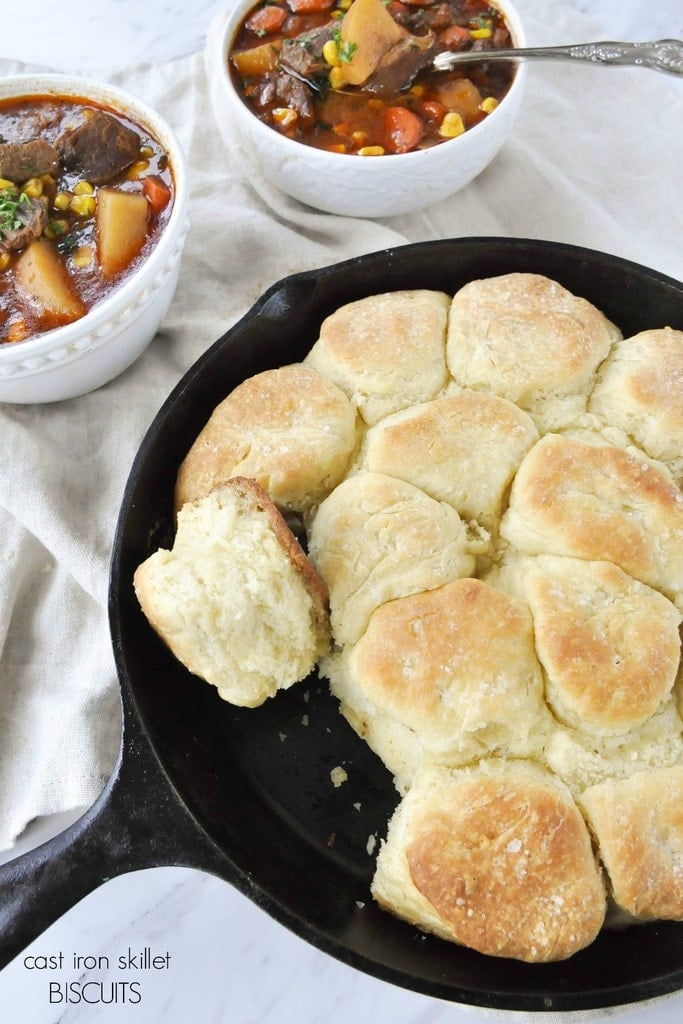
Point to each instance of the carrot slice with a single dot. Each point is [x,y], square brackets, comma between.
[455,37]
[433,111]
[402,128]
[266,20]
[156,192]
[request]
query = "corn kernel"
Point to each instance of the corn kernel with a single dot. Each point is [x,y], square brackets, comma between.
[147,152]
[418,90]
[284,116]
[359,137]
[33,188]
[47,180]
[371,151]
[61,201]
[137,169]
[83,188]
[489,104]
[83,206]
[336,147]
[452,125]
[83,257]
[344,5]
[337,15]
[6,183]
[5,260]
[336,78]
[331,53]
[481,33]
[56,228]
[375,104]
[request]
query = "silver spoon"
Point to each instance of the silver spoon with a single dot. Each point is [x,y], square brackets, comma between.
[661,55]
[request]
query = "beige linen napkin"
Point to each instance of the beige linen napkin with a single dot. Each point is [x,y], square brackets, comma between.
[588,164]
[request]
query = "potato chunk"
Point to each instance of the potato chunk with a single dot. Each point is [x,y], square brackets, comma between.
[42,281]
[121,223]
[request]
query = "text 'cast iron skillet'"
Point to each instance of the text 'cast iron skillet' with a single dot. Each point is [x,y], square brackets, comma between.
[246,794]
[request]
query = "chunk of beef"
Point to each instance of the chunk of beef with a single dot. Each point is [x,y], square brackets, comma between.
[279,88]
[19,162]
[30,220]
[400,66]
[304,53]
[297,95]
[99,148]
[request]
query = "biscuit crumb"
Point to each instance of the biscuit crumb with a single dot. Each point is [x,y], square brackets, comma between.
[339,776]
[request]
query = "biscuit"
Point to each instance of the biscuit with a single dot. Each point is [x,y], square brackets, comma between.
[638,824]
[495,857]
[386,351]
[375,539]
[599,502]
[609,645]
[639,389]
[289,429]
[236,600]
[452,671]
[582,760]
[528,339]
[463,448]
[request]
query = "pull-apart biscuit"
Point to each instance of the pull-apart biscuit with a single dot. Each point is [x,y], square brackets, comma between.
[463,448]
[386,351]
[599,502]
[450,674]
[582,759]
[609,645]
[639,390]
[289,429]
[375,539]
[236,600]
[528,339]
[496,857]
[638,824]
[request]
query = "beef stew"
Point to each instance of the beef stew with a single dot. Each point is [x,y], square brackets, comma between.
[356,77]
[84,195]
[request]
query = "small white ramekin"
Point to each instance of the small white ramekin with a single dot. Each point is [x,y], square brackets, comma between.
[82,356]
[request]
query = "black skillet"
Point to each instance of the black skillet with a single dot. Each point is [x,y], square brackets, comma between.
[246,794]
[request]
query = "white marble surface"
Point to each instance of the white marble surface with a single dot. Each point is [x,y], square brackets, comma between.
[229,962]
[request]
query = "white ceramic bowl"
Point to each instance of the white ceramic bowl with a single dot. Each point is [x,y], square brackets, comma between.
[81,356]
[363,186]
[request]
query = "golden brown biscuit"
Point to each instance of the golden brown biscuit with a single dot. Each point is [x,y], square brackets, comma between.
[609,645]
[496,857]
[375,539]
[639,389]
[449,674]
[386,351]
[236,599]
[638,823]
[598,502]
[528,339]
[463,448]
[289,429]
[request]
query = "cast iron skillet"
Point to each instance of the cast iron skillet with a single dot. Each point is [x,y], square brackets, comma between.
[246,794]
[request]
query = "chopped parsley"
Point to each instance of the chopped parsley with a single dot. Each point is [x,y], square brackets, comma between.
[11,202]
[345,50]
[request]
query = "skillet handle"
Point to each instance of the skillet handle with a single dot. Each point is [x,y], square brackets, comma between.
[137,822]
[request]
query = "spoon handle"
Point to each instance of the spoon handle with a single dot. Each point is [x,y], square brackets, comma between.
[661,55]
